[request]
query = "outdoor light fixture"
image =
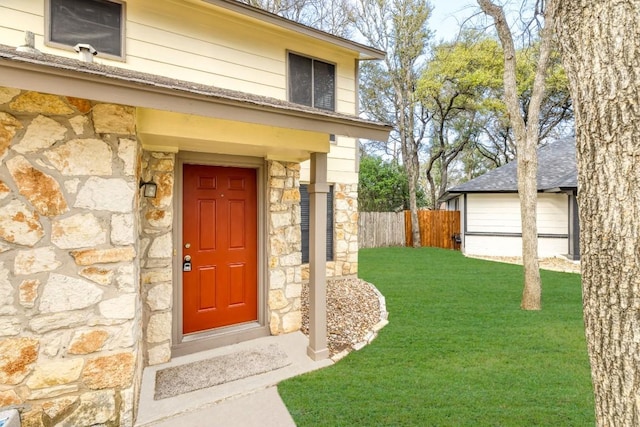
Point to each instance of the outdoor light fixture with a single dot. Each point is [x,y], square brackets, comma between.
[150,188]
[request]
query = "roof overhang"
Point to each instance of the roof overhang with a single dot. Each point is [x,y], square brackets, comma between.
[560,190]
[453,194]
[448,196]
[365,52]
[279,129]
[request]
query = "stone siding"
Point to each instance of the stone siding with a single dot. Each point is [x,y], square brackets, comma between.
[156,252]
[86,262]
[70,313]
[345,231]
[284,251]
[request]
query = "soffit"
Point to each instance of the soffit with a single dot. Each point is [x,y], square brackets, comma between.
[171,132]
[297,128]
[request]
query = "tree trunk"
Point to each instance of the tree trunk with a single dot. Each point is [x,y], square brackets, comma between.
[413,205]
[410,159]
[528,192]
[412,166]
[601,53]
[432,189]
[526,135]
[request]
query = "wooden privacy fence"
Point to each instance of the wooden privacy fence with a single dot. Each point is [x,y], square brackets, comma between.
[437,228]
[380,229]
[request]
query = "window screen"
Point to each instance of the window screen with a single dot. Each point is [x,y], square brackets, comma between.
[323,85]
[96,22]
[301,80]
[304,223]
[311,82]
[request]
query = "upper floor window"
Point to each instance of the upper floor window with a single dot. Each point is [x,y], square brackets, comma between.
[99,23]
[312,82]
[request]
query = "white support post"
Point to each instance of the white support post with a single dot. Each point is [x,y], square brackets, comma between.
[318,190]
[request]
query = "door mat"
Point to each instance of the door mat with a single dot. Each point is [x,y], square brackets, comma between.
[218,370]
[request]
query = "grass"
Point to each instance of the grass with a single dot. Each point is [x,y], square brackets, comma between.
[458,351]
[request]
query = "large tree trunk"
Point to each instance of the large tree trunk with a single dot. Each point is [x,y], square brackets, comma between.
[528,192]
[526,135]
[600,42]
[409,153]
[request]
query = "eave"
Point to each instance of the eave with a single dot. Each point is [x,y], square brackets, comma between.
[365,52]
[68,77]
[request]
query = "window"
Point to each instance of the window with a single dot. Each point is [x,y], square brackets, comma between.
[304,214]
[312,82]
[95,22]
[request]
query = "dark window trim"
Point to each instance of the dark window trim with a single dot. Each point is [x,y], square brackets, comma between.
[304,198]
[57,45]
[505,234]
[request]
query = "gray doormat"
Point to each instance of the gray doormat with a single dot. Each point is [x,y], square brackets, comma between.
[218,370]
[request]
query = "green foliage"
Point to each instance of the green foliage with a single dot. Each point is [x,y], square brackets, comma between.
[463,72]
[383,186]
[462,87]
[458,351]
[457,87]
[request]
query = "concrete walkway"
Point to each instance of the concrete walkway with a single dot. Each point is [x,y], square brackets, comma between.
[247,402]
[262,408]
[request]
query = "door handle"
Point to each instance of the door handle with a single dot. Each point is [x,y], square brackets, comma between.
[186,265]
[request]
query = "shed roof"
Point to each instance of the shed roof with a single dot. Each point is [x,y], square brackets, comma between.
[557,171]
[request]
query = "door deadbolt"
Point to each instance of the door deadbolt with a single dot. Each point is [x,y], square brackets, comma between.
[186,265]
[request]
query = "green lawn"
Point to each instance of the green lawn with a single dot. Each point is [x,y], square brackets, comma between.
[458,351]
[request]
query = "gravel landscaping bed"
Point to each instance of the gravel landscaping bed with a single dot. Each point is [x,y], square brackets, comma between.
[355,312]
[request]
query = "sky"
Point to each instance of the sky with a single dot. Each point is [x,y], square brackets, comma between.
[448,15]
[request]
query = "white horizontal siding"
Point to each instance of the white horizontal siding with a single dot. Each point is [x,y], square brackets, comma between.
[21,20]
[341,151]
[553,213]
[202,49]
[500,213]
[29,6]
[346,87]
[195,42]
[341,165]
[512,246]
[10,36]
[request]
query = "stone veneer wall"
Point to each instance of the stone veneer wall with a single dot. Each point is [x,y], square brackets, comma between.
[284,247]
[345,233]
[70,313]
[156,253]
[285,257]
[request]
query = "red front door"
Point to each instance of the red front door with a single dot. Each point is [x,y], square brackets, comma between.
[220,236]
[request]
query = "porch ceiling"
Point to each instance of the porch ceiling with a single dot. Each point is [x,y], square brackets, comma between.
[167,131]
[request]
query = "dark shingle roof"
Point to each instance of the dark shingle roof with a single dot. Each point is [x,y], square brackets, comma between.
[556,170]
